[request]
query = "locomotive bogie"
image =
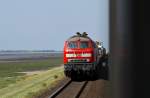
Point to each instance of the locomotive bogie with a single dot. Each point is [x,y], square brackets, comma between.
[80,66]
[75,71]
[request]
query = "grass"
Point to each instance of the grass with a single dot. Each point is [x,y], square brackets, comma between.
[31,86]
[8,71]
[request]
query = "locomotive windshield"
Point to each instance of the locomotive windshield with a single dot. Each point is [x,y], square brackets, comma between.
[84,45]
[72,45]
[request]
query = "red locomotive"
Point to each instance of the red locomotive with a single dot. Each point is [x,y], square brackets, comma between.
[81,56]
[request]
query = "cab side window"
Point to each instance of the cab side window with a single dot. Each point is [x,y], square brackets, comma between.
[94,45]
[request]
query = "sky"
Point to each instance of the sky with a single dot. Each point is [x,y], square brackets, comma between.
[46,24]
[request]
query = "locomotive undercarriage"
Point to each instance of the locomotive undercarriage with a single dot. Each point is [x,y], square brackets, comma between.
[80,70]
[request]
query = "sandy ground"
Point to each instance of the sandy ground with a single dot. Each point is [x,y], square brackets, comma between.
[35,72]
[32,72]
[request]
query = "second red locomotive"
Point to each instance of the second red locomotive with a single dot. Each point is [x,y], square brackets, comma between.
[81,56]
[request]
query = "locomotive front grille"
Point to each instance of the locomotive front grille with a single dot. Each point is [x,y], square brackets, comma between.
[77,60]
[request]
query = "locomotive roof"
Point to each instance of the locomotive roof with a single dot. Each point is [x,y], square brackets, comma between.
[81,38]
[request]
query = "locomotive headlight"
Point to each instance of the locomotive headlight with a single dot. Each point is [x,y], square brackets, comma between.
[69,60]
[87,60]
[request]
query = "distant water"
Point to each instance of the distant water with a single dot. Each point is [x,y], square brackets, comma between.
[21,55]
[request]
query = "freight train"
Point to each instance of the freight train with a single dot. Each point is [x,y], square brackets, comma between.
[82,56]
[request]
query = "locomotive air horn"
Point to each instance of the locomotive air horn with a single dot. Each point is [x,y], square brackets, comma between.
[78,33]
[84,34]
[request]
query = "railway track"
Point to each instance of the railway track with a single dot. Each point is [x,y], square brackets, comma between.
[69,90]
[87,88]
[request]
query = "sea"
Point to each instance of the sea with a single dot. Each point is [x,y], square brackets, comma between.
[7,55]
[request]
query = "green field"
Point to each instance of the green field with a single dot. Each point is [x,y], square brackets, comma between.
[9,70]
[33,85]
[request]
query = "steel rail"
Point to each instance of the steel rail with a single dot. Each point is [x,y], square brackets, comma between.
[53,95]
